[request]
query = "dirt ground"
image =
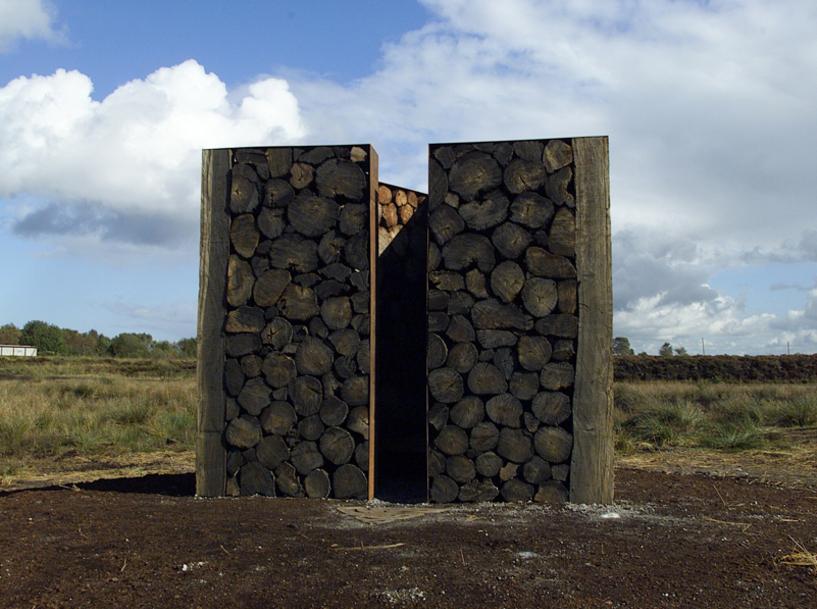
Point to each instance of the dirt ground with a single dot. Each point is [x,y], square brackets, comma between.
[672,540]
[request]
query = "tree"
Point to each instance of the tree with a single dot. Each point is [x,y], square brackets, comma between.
[128,344]
[665,350]
[9,335]
[48,338]
[187,346]
[680,351]
[621,346]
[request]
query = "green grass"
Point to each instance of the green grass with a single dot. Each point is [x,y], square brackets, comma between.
[47,417]
[724,416]
[50,406]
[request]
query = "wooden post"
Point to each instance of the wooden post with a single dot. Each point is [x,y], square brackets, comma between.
[591,471]
[214,249]
[373,254]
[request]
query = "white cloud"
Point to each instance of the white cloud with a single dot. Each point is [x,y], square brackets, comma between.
[137,152]
[25,19]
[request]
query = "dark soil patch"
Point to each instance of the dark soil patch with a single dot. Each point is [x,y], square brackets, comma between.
[672,541]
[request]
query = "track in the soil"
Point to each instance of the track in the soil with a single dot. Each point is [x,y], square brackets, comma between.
[677,541]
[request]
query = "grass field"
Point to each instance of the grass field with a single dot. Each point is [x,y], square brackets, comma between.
[51,408]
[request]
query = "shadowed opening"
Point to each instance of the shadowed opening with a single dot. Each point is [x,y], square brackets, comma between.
[402,328]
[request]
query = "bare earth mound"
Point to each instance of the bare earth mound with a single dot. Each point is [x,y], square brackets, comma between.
[671,541]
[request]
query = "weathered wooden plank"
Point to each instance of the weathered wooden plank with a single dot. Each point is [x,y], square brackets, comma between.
[591,472]
[214,252]
[373,253]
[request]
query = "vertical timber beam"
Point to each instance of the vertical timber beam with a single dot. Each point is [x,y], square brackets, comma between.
[374,216]
[591,471]
[211,474]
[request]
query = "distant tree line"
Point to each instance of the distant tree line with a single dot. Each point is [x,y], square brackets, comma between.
[621,346]
[51,339]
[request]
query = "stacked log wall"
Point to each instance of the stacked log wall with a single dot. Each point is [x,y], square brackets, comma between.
[503,320]
[295,325]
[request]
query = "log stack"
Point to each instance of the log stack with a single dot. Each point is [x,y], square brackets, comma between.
[502,320]
[296,322]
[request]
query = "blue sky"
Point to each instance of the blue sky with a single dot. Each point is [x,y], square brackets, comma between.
[105,106]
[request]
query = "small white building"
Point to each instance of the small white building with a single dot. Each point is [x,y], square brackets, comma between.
[17,351]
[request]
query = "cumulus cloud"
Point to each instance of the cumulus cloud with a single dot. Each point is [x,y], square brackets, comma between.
[25,19]
[134,155]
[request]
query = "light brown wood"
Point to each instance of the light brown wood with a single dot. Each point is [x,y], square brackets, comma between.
[373,254]
[211,456]
[591,472]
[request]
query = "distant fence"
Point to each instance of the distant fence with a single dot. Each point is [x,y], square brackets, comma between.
[17,351]
[772,368]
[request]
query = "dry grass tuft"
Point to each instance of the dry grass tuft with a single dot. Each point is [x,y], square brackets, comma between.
[800,557]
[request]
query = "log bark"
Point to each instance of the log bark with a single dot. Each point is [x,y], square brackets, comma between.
[306,393]
[557,187]
[278,193]
[240,281]
[557,154]
[279,160]
[532,210]
[445,385]
[277,333]
[349,482]
[271,451]
[556,376]
[243,195]
[486,213]
[293,252]
[333,411]
[337,445]
[311,215]
[493,315]
[460,469]
[488,464]
[516,490]
[484,437]
[451,440]
[562,239]
[279,369]
[486,379]
[462,357]
[553,444]
[504,410]
[444,222]
[521,175]
[310,428]
[468,249]
[317,485]
[474,173]
[254,396]
[306,457]
[244,235]
[533,352]
[443,489]
[269,287]
[244,319]
[565,326]
[514,445]
[255,479]
[524,385]
[278,418]
[507,280]
[341,178]
[551,407]
[301,175]
[551,266]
